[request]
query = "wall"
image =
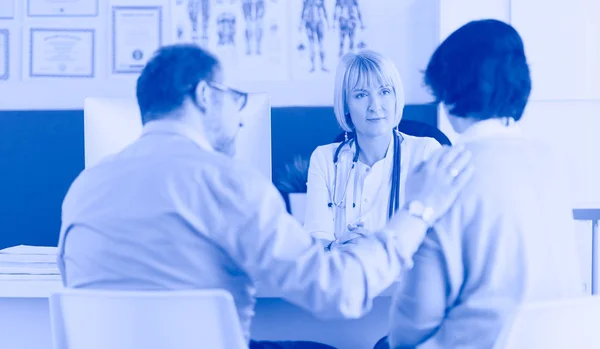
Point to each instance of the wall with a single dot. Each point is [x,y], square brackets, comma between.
[564,110]
[563,47]
[570,129]
[413,25]
[40,155]
[23,93]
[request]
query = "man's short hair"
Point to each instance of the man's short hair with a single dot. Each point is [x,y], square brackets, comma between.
[481,71]
[170,76]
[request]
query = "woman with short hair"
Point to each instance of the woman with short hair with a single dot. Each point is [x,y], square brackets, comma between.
[354,187]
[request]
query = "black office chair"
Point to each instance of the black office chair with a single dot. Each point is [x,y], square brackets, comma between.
[417,129]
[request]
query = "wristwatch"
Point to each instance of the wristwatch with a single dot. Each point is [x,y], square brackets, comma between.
[418,209]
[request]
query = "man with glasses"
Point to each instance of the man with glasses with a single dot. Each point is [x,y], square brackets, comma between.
[173,211]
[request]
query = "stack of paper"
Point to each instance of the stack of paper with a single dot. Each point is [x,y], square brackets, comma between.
[28,263]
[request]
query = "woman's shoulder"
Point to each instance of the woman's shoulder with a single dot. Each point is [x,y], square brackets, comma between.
[420,147]
[321,159]
[325,151]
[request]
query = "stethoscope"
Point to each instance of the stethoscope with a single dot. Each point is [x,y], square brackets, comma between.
[336,158]
[395,189]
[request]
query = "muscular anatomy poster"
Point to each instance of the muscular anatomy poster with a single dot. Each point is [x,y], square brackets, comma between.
[248,36]
[297,44]
[407,31]
[326,29]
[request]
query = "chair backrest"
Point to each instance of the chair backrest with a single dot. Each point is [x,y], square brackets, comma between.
[94,319]
[420,129]
[417,129]
[557,325]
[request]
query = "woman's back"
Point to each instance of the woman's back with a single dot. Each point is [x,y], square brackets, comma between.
[508,239]
[521,202]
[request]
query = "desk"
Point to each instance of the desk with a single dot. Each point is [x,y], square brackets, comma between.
[593,215]
[25,319]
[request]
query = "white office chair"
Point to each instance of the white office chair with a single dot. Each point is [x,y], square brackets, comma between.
[93,319]
[557,325]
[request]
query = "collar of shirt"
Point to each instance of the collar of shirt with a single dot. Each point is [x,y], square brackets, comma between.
[389,155]
[491,128]
[177,128]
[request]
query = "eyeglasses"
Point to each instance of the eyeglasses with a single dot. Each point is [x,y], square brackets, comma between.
[241,98]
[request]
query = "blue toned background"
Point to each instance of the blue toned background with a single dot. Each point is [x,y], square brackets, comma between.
[41,152]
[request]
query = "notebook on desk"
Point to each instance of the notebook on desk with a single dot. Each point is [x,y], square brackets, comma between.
[30,277]
[30,250]
[27,262]
[28,254]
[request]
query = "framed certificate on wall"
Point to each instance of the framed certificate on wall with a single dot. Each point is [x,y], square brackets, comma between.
[61,53]
[62,8]
[4,54]
[136,35]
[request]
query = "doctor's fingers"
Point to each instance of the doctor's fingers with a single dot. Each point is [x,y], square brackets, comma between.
[356,225]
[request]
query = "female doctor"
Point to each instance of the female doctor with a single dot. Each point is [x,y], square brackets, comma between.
[355,186]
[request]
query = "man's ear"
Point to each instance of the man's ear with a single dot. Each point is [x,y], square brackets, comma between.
[201,95]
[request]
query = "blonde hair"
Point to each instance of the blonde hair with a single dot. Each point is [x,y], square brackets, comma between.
[364,67]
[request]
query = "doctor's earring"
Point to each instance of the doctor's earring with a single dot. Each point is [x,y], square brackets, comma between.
[345,136]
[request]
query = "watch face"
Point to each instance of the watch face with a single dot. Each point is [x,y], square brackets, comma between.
[418,209]
[428,214]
